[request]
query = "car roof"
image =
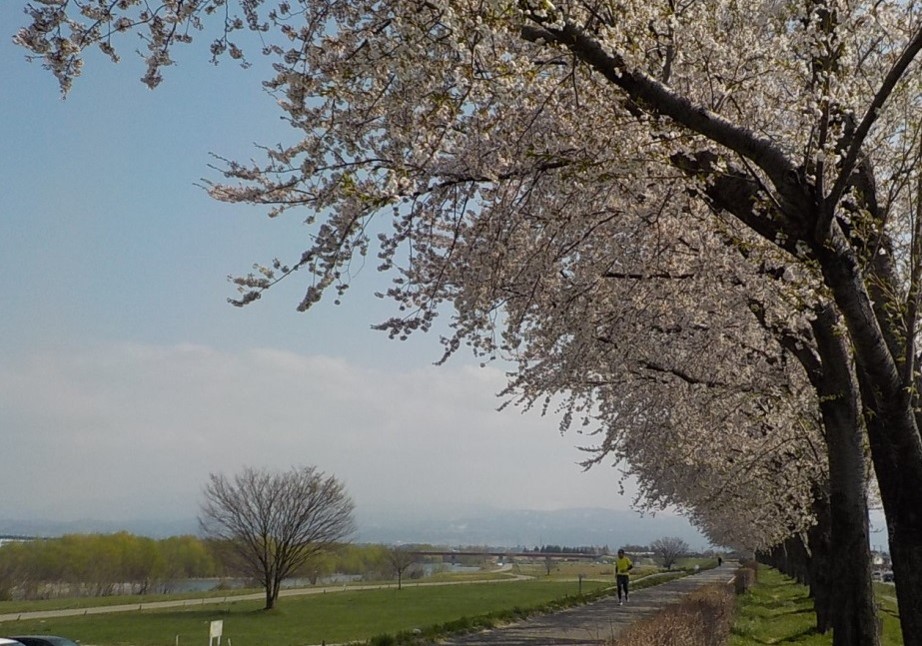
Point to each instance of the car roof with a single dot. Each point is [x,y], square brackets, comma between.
[41,640]
[4,641]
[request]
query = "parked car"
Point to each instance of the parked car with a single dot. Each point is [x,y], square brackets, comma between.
[43,640]
[888,577]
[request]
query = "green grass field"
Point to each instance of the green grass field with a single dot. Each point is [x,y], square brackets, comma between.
[778,611]
[297,621]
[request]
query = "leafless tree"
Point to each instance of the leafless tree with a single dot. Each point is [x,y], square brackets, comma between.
[400,558]
[669,549]
[273,523]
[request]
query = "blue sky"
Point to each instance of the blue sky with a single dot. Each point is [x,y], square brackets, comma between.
[125,377]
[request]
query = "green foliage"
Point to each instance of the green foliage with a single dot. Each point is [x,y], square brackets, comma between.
[383,640]
[101,564]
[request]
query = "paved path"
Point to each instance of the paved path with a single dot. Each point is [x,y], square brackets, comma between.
[597,622]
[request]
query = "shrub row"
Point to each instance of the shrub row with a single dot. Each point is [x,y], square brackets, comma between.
[703,618]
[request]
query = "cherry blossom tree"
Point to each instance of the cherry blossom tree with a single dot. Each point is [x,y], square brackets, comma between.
[703,433]
[508,162]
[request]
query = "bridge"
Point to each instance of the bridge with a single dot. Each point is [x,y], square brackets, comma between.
[453,554]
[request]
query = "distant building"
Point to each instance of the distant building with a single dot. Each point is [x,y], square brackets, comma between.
[9,538]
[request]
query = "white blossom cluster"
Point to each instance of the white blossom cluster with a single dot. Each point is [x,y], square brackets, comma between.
[557,178]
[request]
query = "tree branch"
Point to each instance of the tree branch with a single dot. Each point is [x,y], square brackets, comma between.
[861,132]
[661,99]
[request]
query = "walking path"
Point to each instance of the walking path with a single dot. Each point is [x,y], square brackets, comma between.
[597,622]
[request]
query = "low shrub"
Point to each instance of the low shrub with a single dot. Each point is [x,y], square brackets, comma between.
[752,565]
[746,576]
[382,640]
[703,618]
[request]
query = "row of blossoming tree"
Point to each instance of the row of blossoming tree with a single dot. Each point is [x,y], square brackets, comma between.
[692,226]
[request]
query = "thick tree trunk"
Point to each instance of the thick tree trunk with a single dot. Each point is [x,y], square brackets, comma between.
[821,565]
[854,620]
[272,592]
[854,617]
[896,447]
[843,594]
[901,492]
[791,558]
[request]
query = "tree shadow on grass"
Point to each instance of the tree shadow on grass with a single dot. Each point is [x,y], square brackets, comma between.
[768,612]
[793,638]
[777,616]
[890,612]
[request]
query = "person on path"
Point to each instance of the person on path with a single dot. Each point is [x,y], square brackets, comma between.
[623,565]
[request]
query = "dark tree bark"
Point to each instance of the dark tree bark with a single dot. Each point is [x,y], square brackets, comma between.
[843,596]
[821,565]
[854,619]
[893,435]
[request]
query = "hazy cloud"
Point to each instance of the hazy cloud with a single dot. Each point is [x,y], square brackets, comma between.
[129,430]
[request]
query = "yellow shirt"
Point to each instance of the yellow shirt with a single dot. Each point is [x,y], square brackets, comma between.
[622,565]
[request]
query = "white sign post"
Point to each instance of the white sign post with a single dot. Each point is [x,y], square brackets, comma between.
[214,632]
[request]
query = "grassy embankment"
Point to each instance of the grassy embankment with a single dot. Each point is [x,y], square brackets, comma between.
[778,611]
[335,617]
[341,616]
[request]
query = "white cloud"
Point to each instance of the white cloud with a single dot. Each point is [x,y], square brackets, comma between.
[129,430]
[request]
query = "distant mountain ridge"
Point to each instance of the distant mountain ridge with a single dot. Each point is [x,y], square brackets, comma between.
[529,528]
[499,528]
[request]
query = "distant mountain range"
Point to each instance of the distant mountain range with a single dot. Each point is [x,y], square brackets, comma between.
[499,528]
[529,528]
